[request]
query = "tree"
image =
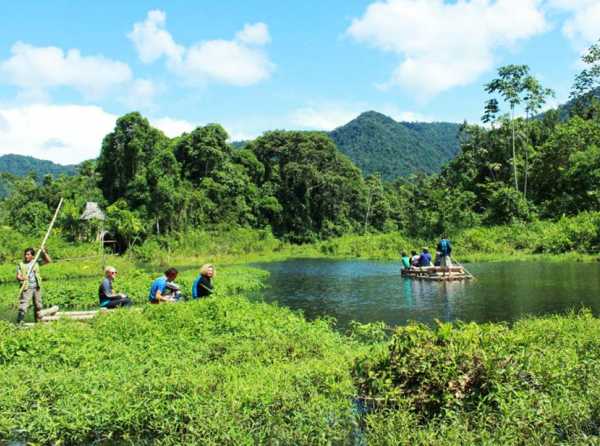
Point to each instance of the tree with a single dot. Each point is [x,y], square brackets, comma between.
[587,82]
[202,151]
[535,98]
[515,85]
[320,191]
[126,152]
[510,85]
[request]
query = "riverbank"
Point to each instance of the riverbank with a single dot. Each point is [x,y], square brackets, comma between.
[228,371]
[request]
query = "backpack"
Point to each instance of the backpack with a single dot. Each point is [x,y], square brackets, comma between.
[444,247]
[195,287]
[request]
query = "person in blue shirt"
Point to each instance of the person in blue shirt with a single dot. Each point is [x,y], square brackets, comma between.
[159,287]
[202,286]
[425,258]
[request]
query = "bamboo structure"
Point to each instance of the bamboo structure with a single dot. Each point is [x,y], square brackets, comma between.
[438,273]
[76,315]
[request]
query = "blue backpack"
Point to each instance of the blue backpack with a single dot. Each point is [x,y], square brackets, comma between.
[195,287]
[445,247]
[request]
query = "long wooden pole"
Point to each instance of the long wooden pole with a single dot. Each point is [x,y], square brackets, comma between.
[39,251]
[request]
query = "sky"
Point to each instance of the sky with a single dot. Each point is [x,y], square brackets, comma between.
[69,69]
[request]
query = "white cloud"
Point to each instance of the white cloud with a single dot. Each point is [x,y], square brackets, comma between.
[582,26]
[152,40]
[65,134]
[227,62]
[140,94]
[172,127]
[254,34]
[237,62]
[326,117]
[444,45]
[35,69]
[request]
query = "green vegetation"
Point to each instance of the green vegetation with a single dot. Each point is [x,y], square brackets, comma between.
[534,383]
[228,370]
[379,145]
[221,371]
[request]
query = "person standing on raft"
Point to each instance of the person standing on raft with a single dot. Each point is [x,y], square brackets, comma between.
[202,286]
[444,247]
[28,274]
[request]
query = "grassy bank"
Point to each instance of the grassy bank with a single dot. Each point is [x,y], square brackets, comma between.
[569,239]
[222,371]
[228,371]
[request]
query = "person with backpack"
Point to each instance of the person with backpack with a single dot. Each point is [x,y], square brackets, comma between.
[444,247]
[202,286]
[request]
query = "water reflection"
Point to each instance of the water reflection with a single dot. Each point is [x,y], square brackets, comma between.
[370,291]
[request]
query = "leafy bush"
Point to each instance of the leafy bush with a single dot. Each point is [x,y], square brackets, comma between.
[485,384]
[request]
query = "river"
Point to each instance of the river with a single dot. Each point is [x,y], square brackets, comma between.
[369,291]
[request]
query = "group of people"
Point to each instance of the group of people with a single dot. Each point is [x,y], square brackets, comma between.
[162,290]
[424,259]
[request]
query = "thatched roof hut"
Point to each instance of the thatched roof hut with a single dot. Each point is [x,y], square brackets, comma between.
[92,212]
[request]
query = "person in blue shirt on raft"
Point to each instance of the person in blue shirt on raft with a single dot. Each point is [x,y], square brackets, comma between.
[108,298]
[445,249]
[202,286]
[159,292]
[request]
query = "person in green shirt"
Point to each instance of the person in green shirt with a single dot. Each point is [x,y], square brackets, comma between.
[28,274]
[405,261]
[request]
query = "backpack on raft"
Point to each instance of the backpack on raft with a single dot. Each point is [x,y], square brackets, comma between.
[445,247]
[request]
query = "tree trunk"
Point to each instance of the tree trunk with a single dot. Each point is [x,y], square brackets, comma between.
[526,156]
[514,153]
[367,214]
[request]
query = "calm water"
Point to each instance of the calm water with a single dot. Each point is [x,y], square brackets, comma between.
[369,291]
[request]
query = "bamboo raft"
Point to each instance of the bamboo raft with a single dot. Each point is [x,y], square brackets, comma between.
[76,315]
[437,273]
[53,314]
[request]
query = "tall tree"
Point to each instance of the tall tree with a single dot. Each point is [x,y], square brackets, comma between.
[510,85]
[535,98]
[126,153]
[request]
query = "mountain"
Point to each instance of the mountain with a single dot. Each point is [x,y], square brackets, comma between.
[377,143]
[22,165]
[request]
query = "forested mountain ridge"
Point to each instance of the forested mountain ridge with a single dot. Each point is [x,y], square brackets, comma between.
[20,165]
[377,143]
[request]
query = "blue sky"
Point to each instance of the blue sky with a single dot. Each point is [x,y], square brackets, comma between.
[68,69]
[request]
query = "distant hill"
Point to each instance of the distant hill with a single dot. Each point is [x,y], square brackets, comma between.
[22,165]
[377,143]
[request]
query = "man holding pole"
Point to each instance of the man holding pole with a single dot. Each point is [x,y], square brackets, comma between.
[28,273]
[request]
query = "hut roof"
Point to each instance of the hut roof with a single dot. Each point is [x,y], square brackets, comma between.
[92,211]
